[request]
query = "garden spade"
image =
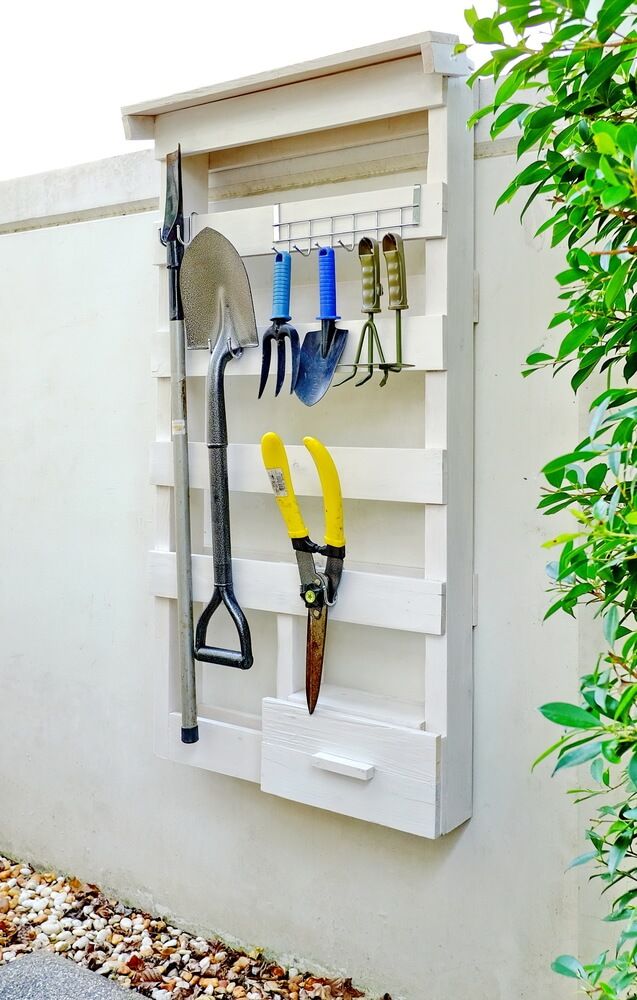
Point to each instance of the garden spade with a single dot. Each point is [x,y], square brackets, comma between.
[219,316]
[172,238]
[322,349]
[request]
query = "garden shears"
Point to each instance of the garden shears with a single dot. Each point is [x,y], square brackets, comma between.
[319,588]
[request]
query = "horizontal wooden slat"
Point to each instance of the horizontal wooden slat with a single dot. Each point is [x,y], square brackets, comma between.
[423,347]
[408,475]
[223,746]
[364,705]
[372,92]
[409,604]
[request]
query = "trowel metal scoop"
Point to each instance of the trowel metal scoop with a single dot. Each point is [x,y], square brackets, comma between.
[219,315]
[322,349]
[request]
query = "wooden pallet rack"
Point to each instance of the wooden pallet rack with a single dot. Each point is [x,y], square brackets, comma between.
[363,142]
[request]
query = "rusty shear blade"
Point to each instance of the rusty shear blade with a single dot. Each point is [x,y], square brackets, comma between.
[314,654]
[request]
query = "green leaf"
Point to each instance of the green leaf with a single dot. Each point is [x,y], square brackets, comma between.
[567,965]
[582,859]
[486,31]
[564,460]
[617,853]
[615,195]
[504,119]
[605,143]
[537,357]
[632,769]
[573,716]
[611,619]
[626,701]
[570,758]
[507,89]
[616,284]
[627,139]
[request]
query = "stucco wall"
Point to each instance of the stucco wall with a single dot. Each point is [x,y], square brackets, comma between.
[478,914]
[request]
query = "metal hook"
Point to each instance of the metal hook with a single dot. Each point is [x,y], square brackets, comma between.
[345,247]
[304,253]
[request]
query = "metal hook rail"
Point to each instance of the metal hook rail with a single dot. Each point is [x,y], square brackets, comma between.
[333,230]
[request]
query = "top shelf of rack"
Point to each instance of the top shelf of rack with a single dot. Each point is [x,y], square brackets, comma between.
[434,49]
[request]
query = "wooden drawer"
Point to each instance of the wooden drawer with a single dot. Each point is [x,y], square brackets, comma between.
[360,767]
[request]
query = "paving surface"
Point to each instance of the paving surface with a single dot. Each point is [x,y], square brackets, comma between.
[43,976]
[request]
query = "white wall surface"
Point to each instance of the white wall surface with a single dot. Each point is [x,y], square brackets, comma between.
[478,914]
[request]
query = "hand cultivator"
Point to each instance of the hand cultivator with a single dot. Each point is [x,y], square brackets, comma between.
[369,256]
[280,331]
[372,290]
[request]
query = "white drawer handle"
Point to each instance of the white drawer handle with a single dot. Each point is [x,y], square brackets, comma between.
[343,765]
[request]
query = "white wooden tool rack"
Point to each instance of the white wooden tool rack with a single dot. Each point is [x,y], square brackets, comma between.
[367,141]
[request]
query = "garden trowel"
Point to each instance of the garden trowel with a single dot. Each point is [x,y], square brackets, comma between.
[322,349]
[219,316]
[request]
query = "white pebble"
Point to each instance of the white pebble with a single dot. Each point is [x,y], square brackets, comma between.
[51,927]
[99,923]
[37,905]
[103,935]
[81,942]
[204,963]
[62,946]
[126,923]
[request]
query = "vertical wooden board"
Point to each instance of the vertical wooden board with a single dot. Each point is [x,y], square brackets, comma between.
[449,688]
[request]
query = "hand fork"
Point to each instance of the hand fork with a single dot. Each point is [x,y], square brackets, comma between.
[280,330]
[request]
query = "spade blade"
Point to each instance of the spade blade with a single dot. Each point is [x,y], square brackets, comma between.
[216,293]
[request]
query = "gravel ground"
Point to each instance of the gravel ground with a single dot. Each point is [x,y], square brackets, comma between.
[45,911]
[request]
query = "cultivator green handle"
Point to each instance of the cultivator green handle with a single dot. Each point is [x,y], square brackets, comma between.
[394,254]
[369,257]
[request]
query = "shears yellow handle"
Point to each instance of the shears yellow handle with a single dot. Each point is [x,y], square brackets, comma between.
[278,469]
[331,486]
[275,460]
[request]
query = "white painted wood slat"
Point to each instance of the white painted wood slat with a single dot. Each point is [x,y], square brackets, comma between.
[407,475]
[372,92]
[423,347]
[224,747]
[406,603]
[365,705]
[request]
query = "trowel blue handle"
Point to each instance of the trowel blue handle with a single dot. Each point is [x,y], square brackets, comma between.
[281,286]
[327,284]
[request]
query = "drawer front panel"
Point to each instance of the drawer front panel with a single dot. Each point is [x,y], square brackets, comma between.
[359,767]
